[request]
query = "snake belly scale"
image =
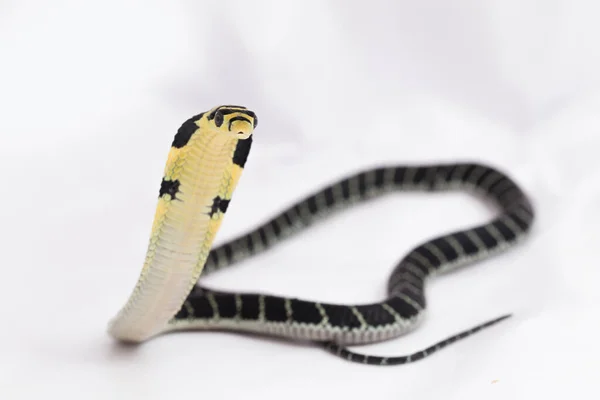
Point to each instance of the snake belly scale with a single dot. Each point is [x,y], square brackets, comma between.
[335,326]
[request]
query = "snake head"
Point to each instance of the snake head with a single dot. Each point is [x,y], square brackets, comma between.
[235,120]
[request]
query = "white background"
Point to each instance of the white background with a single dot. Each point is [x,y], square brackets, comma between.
[91,94]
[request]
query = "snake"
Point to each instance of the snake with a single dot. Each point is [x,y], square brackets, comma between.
[204,165]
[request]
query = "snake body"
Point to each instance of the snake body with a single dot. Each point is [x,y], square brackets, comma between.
[335,326]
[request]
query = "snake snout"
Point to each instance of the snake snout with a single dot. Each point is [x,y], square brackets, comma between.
[241,125]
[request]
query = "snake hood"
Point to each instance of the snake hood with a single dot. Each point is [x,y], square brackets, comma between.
[204,165]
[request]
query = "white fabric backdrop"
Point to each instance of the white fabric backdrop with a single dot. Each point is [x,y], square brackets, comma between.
[91,95]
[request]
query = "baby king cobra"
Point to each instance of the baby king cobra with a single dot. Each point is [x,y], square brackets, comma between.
[203,168]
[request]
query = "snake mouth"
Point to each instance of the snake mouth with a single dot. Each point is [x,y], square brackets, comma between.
[243,135]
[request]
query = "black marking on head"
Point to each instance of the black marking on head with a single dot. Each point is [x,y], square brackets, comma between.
[226,110]
[240,155]
[231,106]
[219,120]
[169,187]
[219,204]
[236,118]
[185,132]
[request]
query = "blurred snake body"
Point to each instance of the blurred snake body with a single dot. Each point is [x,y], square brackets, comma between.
[204,165]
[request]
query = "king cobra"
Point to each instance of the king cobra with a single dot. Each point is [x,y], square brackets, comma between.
[207,157]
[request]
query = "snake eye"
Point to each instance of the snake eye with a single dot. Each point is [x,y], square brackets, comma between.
[255,121]
[218,119]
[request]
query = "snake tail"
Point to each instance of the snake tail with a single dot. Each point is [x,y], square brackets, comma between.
[343,352]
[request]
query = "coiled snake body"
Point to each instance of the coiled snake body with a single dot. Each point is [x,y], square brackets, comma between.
[177,254]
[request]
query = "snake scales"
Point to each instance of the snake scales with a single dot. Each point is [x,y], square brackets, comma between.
[206,159]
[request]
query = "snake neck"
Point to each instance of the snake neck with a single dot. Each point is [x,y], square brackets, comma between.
[199,178]
[201,173]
